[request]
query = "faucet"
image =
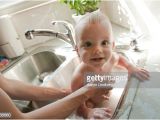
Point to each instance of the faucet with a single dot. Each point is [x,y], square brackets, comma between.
[134,43]
[67,37]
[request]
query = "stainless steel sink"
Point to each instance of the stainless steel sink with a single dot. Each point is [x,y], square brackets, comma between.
[33,68]
[64,76]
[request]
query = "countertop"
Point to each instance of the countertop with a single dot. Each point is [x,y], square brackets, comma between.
[142,98]
[146,104]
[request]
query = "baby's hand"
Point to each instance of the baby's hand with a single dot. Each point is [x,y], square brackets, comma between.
[140,73]
[99,113]
[106,95]
[98,96]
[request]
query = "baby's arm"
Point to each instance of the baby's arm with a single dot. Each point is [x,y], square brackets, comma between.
[139,72]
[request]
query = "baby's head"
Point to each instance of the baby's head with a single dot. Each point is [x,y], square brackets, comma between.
[94,39]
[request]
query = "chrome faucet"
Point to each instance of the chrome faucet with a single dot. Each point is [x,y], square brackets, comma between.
[67,37]
[134,43]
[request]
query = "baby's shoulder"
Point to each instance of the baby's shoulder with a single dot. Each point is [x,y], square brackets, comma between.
[115,56]
[78,77]
[83,68]
[119,68]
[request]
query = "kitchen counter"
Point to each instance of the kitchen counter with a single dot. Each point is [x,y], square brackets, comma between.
[146,104]
[12,62]
[142,98]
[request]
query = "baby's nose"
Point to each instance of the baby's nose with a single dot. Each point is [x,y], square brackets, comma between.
[97,49]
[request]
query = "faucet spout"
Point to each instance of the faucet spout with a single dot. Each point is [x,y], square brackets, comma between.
[39,32]
[67,37]
[44,32]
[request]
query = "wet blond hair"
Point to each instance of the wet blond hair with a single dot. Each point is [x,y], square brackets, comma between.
[92,18]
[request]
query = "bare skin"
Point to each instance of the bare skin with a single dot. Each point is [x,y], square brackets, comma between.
[95,49]
[23,91]
[57,110]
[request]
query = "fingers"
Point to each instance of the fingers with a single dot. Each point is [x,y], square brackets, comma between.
[102,113]
[105,97]
[142,74]
[145,72]
[101,116]
[107,110]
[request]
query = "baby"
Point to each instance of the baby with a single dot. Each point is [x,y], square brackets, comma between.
[94,45]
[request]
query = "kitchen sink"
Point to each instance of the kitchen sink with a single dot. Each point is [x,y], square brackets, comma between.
[32,69]
[45,67]
[64,76]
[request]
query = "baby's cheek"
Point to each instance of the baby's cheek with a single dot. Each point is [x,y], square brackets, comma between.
[84,56]
[108,54]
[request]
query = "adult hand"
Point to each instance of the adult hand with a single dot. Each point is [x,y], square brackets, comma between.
[99,113]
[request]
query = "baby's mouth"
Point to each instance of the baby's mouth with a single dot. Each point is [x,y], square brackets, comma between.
[98,59]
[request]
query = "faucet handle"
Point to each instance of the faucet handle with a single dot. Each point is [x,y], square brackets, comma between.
[69,28]
[29,35]
[66,24]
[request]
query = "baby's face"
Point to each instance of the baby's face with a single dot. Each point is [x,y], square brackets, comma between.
[95,45]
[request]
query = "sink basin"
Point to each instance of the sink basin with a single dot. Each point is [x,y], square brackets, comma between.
[33,68]
[48,65]
[64,76]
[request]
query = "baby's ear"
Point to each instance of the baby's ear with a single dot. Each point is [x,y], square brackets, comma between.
[76,48]
[113,45]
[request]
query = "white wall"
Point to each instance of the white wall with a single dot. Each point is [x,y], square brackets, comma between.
[42,15]
[39,18]
[116,13]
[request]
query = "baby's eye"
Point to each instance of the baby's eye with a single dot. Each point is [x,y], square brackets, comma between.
[105,42]
[87,44]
